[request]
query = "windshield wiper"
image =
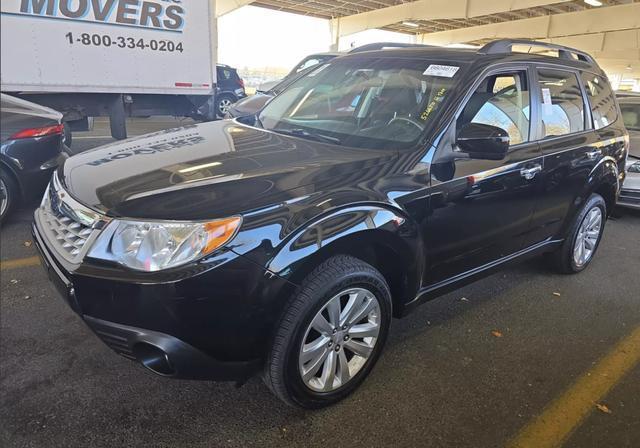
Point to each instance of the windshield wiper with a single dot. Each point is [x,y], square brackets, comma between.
[303,133]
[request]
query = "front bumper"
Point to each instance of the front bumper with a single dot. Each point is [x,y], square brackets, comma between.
[629,199]
[171,328]
[630,191]
[166,355]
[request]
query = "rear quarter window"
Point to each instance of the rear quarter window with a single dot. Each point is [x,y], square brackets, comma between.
[601,99]
[631,116]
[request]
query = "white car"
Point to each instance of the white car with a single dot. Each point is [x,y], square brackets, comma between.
[630,193]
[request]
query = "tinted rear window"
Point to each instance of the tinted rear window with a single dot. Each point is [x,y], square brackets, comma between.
[603,104]
[631,116]
[225,74]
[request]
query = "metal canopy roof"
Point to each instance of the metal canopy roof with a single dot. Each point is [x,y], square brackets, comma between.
[331,9]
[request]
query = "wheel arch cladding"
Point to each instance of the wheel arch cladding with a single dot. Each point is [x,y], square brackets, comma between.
[604,181]
[378,236]
[4,166]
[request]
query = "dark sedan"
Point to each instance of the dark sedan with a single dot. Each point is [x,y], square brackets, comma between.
[32,143]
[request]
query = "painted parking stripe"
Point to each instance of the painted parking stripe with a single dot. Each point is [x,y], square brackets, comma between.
[556,423]
[19,263]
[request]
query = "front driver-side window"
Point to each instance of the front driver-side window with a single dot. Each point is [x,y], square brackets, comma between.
[501,100]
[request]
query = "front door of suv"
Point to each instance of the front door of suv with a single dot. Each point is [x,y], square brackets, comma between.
[480,208]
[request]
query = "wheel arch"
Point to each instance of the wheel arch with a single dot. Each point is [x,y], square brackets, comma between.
[380,236]
[604,180]
[7,168]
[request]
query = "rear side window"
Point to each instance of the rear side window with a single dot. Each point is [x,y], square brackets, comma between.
[226,74]
[631,116]
[562,103]
[603,105]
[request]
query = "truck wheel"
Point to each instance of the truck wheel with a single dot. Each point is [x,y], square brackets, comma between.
[223,103]
[68,136]
[8,194]
[583,237]
[331,334]
[118,118]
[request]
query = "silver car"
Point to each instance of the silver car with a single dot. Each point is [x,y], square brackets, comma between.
[630,194]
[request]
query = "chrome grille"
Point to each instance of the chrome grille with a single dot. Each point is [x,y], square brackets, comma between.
[65,224]
[68,235]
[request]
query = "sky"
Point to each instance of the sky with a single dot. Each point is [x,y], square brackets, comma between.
[258,38]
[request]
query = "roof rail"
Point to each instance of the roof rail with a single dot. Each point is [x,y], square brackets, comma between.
[383,45]
[506,45]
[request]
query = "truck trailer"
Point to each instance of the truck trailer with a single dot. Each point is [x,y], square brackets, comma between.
[115,58]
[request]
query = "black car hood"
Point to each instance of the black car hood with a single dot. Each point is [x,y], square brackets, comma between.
[207,171]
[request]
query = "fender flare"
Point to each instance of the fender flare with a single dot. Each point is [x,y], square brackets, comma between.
[604,179]
[356,227]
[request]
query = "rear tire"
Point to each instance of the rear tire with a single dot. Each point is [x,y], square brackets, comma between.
[223,103]
[356,295]
[583,238]
[8,194]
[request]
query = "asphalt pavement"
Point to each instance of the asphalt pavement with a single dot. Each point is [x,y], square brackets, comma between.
[474,368]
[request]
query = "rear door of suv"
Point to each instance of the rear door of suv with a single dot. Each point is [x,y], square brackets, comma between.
[570,142]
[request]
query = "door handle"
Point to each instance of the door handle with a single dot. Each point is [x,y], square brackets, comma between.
[592,155]
[530,173]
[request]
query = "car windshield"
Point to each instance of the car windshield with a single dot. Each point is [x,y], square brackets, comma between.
[362,102]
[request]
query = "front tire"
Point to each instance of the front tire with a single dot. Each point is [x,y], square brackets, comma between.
[583,237]
[331,334]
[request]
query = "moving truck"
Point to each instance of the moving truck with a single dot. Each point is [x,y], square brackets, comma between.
[113,58]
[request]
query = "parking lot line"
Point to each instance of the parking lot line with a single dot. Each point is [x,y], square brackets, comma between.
[556,423]
[19,263]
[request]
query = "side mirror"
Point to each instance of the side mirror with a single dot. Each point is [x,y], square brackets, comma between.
[483,141]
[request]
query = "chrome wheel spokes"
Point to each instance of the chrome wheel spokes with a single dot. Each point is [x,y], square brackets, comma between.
[587,237]
[224,105]
[339,340]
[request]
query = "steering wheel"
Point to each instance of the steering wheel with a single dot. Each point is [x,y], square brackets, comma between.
[408,120]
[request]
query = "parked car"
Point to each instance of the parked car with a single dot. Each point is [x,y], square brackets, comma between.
[31,143]
[230,88]
[306,63]
[322,58]
[285,244]
[252,104]
[630,193]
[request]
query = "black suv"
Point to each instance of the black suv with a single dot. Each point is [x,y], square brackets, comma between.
[284,244]
[229,89]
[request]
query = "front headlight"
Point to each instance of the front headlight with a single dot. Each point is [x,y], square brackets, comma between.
[154,246]
[633,166]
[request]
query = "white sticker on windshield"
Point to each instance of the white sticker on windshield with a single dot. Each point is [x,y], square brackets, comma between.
[443,71]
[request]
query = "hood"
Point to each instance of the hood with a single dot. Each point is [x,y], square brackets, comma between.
[206,171]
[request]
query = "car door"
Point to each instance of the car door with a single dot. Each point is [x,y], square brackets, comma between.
[480,209]
[570,145]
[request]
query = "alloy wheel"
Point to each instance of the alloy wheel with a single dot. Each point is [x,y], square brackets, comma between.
[224,105]
[587,238]
[339,340]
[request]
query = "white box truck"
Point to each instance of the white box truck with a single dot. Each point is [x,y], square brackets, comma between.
[113,58]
